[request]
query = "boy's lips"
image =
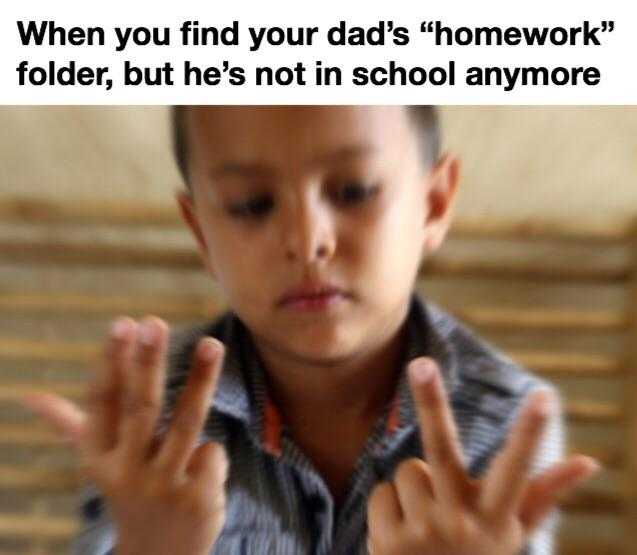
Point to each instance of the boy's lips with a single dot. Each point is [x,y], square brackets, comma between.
[311,293]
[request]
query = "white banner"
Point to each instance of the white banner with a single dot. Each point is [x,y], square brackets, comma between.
[295,53]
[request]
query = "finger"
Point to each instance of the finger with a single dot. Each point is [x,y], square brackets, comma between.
[439,433]
[105,391]
[412,481]
[384,515]
[144,389]
[508,476]
[67,419]
[192,408]
[545,490]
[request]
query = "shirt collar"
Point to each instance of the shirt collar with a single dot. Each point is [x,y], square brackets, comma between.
[242,393]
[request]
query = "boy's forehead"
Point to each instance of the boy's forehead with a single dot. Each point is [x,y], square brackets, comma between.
[268,132]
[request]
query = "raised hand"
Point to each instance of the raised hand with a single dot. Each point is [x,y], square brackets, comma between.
[166,494]
[435,508]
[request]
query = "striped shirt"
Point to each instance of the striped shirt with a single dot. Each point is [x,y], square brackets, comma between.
[277,502]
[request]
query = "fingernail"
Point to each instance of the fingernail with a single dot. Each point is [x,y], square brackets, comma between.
[209,349]
[593,465]
[422,371]
[148,333]
[544,403]
[120,328]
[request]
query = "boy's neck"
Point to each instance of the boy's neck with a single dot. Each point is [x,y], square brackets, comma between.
[352,391]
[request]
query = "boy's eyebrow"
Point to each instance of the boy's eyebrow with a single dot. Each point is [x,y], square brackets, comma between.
[259,169]
[345,153]
[241,169]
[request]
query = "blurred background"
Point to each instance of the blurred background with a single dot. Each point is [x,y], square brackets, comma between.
[570,165]
[541,260]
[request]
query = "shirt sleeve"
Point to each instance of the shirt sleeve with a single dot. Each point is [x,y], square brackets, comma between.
[550,451]
[96,535]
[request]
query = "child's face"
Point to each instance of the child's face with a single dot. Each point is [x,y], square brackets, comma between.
[338,195]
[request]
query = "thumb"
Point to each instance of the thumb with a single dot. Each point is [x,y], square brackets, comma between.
[544,492]
[209,461]
[65,417]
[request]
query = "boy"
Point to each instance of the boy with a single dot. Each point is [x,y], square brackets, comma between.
[314,221]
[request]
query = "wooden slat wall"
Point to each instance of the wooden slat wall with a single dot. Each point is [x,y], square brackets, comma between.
[631,404]
[528,297]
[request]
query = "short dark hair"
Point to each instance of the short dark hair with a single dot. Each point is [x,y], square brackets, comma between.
[424,117]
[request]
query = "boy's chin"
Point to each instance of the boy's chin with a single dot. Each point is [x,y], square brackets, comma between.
[326,352]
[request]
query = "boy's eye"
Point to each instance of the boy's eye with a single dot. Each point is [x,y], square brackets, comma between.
[257,207]
[253,208]
[353,193]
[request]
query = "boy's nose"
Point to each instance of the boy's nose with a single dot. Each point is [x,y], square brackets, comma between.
[308,235]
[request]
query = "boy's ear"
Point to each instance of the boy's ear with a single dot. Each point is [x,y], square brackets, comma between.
[187,211]
[441,193]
